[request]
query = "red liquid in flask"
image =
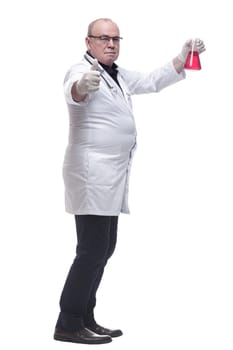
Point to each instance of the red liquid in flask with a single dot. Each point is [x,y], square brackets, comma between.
[193,61]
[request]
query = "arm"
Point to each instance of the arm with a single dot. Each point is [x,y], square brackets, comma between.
[154,81]
[88,83]
[189,45]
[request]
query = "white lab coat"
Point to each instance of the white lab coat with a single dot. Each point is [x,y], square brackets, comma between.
[102,138]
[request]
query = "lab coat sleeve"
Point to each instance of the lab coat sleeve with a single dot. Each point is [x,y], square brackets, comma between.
[155,81]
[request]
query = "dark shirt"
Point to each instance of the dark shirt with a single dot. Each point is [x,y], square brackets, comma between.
[112,71]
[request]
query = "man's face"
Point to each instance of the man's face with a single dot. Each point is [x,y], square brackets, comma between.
[100,46]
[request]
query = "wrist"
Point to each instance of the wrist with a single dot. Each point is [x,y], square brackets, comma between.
[182,58]
[178,64]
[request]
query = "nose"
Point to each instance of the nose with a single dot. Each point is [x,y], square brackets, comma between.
[111,42]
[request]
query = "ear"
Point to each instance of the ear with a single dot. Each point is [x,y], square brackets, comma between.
[87,40]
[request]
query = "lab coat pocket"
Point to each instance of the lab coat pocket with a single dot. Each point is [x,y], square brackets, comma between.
[101,169]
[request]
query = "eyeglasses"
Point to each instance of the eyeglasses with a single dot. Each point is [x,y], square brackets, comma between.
[106,39]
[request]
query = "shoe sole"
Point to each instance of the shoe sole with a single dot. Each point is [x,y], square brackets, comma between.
[71,340]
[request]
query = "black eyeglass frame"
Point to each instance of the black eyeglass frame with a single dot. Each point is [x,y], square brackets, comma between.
[106,38]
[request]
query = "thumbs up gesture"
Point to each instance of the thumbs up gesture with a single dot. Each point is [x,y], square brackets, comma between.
[90,81]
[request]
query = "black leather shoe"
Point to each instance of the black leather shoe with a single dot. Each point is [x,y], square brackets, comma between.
[105,331]
[83,336]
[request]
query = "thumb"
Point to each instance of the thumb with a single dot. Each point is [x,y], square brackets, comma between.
[94,65]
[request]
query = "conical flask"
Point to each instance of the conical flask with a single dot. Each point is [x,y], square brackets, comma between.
[193,60]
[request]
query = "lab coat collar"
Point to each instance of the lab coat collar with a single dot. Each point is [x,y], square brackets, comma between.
[108,69]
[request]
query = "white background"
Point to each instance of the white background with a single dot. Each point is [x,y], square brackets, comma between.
[169,284]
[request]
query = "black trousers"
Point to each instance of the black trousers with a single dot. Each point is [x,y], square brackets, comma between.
[96,236]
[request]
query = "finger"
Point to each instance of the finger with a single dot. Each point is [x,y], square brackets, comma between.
[95,76]
[93,88]
[188,43]
[199,44]
[94,65]
[200,48]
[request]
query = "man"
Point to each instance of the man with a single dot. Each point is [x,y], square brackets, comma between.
[102,139]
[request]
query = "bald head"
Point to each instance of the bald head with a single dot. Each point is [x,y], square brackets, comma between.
[97,22]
